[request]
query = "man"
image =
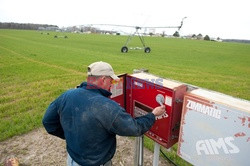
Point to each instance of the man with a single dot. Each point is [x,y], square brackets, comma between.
[89,121]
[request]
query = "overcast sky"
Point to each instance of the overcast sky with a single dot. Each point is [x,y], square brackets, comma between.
[216,18]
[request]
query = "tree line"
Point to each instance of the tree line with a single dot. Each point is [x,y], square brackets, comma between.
[27,26]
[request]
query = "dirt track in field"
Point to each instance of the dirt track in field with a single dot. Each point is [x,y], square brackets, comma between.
[37,148]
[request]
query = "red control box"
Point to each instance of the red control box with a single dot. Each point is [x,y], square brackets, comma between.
[138,94]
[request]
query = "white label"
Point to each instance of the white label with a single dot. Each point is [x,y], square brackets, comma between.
[116,89]
[168,101]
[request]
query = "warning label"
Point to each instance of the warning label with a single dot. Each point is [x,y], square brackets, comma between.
[117,88]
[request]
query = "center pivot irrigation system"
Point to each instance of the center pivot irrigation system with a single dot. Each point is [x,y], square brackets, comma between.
[137,32]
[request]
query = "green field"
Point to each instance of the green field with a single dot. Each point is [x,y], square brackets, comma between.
[35,68]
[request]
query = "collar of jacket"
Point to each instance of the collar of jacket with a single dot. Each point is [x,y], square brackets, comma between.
[95,88]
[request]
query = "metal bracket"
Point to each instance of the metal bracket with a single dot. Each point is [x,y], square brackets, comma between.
[179,101]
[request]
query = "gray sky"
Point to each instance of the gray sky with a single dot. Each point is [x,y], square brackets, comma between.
[216,18]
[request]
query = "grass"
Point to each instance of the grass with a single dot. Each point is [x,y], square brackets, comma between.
[36,68]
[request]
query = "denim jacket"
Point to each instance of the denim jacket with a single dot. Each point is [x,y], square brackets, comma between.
[89,121]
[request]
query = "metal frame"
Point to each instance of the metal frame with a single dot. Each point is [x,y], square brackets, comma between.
[124,49]
[139,35]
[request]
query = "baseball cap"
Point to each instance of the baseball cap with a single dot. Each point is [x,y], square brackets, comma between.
[101,69]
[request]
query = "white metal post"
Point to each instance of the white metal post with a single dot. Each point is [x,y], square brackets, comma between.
[156,154]
[138,160]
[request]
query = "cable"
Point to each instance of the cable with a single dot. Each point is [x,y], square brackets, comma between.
[168,158]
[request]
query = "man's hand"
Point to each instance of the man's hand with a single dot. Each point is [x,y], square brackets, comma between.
[157,111]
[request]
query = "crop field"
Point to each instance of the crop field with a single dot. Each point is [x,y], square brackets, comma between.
[35,68]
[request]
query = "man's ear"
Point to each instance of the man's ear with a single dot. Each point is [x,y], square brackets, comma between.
[103,78]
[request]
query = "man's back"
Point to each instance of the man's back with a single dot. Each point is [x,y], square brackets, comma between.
[90,122]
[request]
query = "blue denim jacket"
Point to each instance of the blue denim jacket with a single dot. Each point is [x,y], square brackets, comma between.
[89,121]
